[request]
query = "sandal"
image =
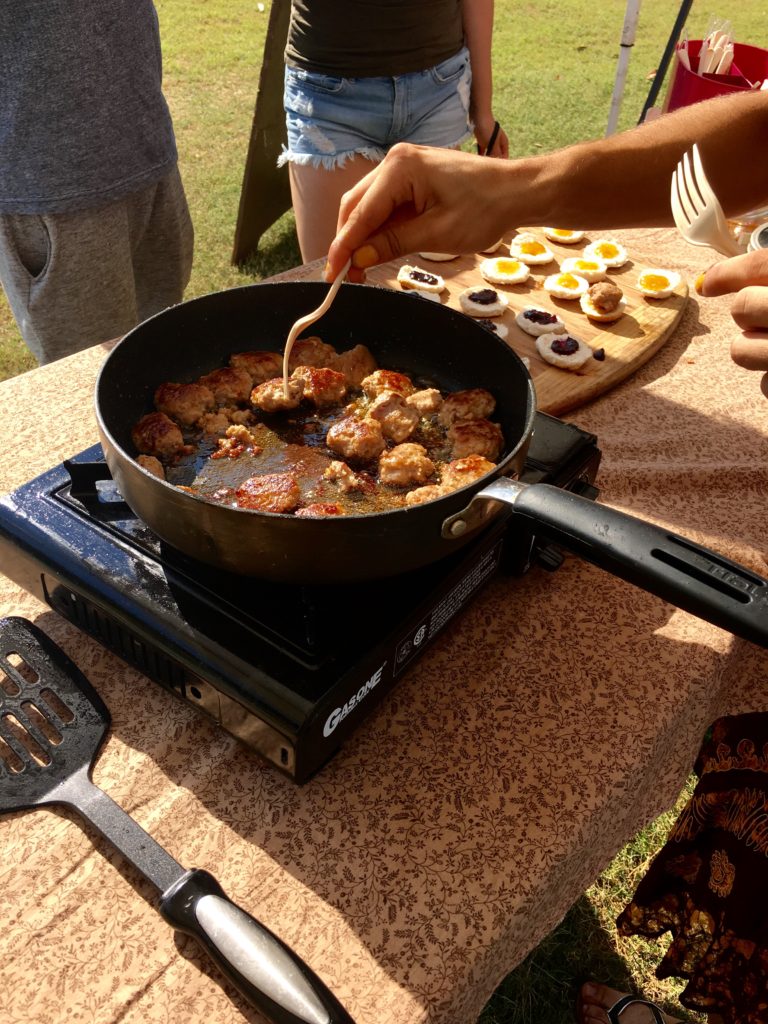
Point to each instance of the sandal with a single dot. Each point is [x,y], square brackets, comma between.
[614,1012]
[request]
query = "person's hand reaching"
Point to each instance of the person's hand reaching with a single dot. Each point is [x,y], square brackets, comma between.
[419,199]
[747,277]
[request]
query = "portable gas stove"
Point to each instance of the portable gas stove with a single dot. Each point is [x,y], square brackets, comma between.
[263,660]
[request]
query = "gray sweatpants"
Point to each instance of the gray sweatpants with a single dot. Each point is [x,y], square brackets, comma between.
[77,279]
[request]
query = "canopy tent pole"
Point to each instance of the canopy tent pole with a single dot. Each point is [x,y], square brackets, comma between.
[661,71]
[627,42]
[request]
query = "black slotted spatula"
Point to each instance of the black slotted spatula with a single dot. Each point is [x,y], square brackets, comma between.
[52,726]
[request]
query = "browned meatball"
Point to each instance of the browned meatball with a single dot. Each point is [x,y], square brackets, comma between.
[461,472]
[270,396]
[229,385]
[405,466]
[387,380]
[319,510]
[152,465]
[347,479]
[259,366]
[398,420]
[473,404]
[237,441]
[356,440]
[185,403]
[427,493]
[356,363]
[476,437]
[605,296]
[156,434]
[214,422]
[273,492]
[311,351]
[322,386]
[426,401]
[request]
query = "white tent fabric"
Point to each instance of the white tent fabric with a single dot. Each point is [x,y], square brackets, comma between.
[628,32]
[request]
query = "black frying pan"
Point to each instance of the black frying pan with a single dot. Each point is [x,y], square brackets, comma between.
[423,339]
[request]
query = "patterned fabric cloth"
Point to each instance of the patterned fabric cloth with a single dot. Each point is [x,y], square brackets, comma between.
[708,886]
[547,723]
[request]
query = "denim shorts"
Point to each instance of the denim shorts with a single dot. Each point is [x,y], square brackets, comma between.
[330,119]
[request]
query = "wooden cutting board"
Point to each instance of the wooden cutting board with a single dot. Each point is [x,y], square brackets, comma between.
[628,343]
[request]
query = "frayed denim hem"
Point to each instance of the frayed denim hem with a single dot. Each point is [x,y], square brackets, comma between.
[330,161]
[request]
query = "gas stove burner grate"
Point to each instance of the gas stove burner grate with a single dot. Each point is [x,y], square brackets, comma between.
[258,658]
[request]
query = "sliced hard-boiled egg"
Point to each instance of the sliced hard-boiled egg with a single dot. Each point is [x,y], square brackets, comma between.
[483,302]
[566,285]
[535,321]
[611,253]
[565,236]
[494,326]
[657,284]
[415,277]
[563,350]
[528,249]
[501,270]
[592,269]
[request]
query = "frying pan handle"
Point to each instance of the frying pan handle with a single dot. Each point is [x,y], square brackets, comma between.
[269,974]
[663,563]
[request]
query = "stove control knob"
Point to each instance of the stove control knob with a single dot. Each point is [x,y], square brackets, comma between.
[550,557]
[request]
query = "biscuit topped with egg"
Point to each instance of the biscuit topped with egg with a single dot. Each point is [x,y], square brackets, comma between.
[565,236]
[483,302]
[591,269]
[493,248]
[604,302]
[565,285]
[529,250]
[611,253]
[501,270]
[439,257]
[424,280]
[657,284]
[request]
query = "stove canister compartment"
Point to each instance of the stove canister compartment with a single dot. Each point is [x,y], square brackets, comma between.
[759,237]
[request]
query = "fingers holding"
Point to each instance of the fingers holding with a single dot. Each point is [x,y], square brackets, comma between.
[749,308]
[750,351]
[501,146]
[732,275]
[382,199]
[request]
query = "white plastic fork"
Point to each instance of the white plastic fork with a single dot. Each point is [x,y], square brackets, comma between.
[698,214]
[309,319]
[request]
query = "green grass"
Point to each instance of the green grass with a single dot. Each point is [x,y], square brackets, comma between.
[554,64]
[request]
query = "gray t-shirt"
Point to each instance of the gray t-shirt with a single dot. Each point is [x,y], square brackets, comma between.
[82,116]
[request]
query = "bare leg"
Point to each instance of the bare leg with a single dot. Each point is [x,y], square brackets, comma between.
[316,196]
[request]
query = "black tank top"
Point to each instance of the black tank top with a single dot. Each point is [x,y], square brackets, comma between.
[367,38]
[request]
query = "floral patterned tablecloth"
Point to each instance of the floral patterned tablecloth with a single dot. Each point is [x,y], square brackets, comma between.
[549,722]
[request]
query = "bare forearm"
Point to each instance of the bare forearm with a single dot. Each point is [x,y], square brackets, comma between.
[624,180]
[477,16]
[448,201]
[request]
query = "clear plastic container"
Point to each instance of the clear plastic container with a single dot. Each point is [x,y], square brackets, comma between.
[745,225]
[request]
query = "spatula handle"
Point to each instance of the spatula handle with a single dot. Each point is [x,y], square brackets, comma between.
[269,974]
